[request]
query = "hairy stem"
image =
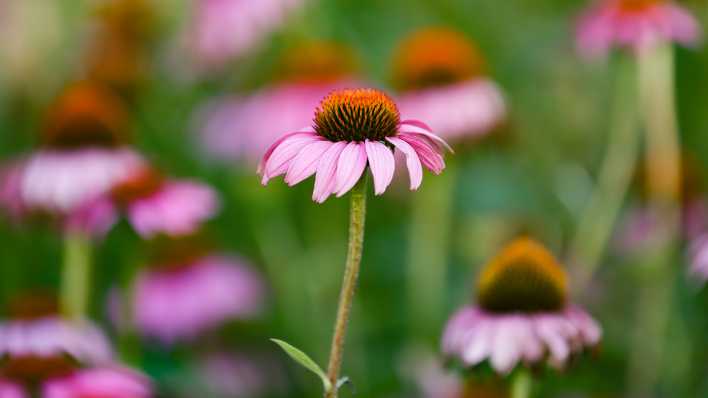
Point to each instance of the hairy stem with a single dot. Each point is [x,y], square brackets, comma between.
[357,217]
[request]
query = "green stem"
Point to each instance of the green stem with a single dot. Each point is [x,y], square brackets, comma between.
[663,165]
[599,216]
[76,275]
[357,218]
[521,384]
[427,254]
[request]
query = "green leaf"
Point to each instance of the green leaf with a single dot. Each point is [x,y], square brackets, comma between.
[302,358]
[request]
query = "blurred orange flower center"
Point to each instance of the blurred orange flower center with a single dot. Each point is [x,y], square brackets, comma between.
[141,185]
[435,57]
[85,115]
[318,62]
[357,115]
[524,277]
[637,5]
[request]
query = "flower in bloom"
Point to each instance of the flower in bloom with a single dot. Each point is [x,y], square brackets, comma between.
[634,24]
[177,300]
[83,153]
[353,128]
[522,314]
[226,29]
[104,382]
[35,342]
[153,205]
[441,78]
[233,128]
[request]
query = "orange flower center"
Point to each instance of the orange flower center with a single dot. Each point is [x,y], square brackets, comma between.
[33,305]
[318,62]
[175,253]
[435,57]
[85,115]
[140,185]
[357,115]
[524,277]
[637,5]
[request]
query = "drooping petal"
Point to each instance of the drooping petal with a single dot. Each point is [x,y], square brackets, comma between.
[279,159]
[426,151]
[382,165]
[415,169]
[506,346]
[351,165]
[418,127]
[305,163]
[325,177]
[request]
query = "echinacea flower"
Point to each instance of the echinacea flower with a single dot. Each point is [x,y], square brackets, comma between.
[104,382]
[441,77]
[353,128]
[83,152]
[35,342]
[9,389]
[153,205]
[179,300]
[226,29]
[522,314]
[634,24]
[232,128]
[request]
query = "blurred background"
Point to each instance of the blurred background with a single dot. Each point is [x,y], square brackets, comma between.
[205,91]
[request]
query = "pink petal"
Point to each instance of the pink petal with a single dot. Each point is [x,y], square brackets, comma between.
[304,164]
[418,127]
[382,165]
[415,170]
[271,148]
[326,172]
[351,165]
[506,346]
[281,157]
[427,153]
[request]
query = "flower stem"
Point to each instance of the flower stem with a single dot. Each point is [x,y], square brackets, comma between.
[76,274]
[598,218]
[521,384]
[357,217]
[663,173]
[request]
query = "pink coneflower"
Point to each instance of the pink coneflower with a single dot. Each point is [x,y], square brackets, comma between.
[156,205]
[522,314]
[83,152]
[36,343]
[442,80]
[698,257]
[179,300]
[232,128]
[633,24]
[226,29]
[353,128]
[109,382]
[8,389]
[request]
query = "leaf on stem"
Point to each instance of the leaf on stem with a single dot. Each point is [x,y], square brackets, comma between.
[304,360]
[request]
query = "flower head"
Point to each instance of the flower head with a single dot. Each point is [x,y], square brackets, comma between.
[353,128]
[634,24]
[522,314]
[441,76]
[179,300]
[104,382]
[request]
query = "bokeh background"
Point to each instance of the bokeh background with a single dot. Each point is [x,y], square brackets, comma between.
[532,174]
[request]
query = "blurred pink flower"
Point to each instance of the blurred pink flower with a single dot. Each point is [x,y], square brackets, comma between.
[109,382]
[353,128]
[441,77]
[226,29]
[522,314]
[11,189]
[633,24]
[233,128]
[51,336]
[8,389]
[698,257]
[239,375]
[178,302]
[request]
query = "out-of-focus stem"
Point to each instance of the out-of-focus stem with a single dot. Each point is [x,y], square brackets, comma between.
[521,384]
[600,214]
[76,275]
[663,173]
[427,255]
[357,218]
